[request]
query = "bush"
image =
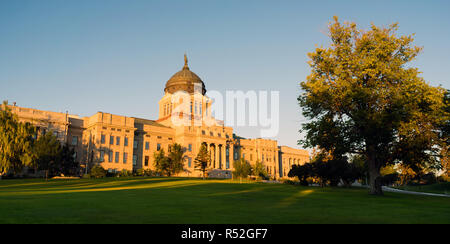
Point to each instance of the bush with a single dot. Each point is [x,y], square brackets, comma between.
[98,172]
[125,173]
[86,176]
[429,179]
[390,179]
[144,172]
[289,182]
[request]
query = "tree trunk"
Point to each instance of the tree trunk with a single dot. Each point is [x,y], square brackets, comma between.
[374,177]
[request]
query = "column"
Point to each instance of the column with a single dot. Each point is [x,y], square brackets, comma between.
[231,156]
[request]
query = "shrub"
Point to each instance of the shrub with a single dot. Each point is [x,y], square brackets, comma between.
[290,182]
[144,172]
[429,179]
[390,179]
[86,176]
[125,173]
[98,172]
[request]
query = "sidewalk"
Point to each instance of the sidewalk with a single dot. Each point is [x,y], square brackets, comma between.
[389,189]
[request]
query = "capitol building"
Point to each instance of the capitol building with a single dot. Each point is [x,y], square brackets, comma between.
[119,142]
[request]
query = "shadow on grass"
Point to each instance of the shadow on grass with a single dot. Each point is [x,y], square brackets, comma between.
[92,185]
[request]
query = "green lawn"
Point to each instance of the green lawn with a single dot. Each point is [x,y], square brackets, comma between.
[179,200]
[440,188]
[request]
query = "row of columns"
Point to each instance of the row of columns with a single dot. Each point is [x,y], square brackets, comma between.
[219,156]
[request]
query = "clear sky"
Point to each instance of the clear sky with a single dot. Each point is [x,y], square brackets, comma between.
[115,56]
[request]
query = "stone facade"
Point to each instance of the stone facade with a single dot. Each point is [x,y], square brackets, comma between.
[119,142]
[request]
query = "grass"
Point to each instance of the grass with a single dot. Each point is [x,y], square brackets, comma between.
[440,188]
[181,200]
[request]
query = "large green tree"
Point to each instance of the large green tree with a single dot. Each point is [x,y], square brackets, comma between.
[242,169]
[161,162]
[175,159]
[172,163]
[16,141]
[363,97]
[202,160]
[47,150]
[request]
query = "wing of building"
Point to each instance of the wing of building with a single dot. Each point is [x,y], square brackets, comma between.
[118,142]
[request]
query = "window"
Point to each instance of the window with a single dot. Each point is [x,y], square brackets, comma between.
[117,157]
[196,105]
[117,141]
[111,140]
[158,147]
[189,162]
[103,139]
[200,108]
[102,156]
[55,133]
[146,160]
[147,145]
[126,141]
[75,155]
[110,157]
[203,132]
[74,140]
[125,156]
[135,144]
[191,107]
[134,160]
[190,148]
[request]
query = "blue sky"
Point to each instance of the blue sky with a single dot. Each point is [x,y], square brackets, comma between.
[115,56]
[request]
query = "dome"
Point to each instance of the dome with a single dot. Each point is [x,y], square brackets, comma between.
[184,80]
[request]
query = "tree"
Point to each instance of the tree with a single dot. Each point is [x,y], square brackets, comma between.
[302,172]
[16,141]
[260,171]
[242,169]
[47,150]
[67,163]
[362,97]
[202,160]
[98,172]
[175,159]
[161,162]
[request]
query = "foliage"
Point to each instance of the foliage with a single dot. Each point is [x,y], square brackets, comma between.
[363,98]
[327,170]
[161,162]
[242,168]
[260,171]
[98,172]
[125,173]
[16,141]
[390,179]
[175,159]
[48,151]
[144,172]
[303,172]
[202,160]
[67,163]
[170,164]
